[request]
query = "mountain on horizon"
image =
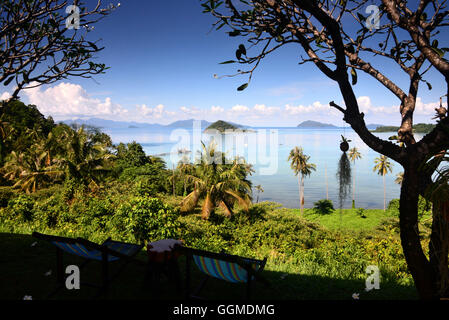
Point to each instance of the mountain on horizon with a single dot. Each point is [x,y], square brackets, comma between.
[103,123]
[315,124]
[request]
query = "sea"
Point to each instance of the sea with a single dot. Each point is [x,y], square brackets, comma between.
[267,149]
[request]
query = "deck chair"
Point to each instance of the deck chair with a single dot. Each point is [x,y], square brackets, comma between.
[105,253]
[222,266]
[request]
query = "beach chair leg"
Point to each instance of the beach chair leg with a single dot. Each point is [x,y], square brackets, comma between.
[200,287]
[248,288]
[59,266]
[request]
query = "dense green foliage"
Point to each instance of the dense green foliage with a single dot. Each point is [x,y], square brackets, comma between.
[323,206]
[417,128]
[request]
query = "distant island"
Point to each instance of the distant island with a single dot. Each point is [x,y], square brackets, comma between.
[315,124]
[111,124]
[418,128]
[223,126]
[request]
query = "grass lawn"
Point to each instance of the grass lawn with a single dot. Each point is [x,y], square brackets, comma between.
[347,219]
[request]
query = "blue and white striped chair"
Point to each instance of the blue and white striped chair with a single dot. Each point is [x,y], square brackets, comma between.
[105,253]
[223,266]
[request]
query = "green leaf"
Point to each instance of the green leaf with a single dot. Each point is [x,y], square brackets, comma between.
[234,33]
[429,85]
[227,62]
[354,76]
[242,49]
[8,81]
[93,45]
[238,54]
[438,51]
[242,87]
[361,17]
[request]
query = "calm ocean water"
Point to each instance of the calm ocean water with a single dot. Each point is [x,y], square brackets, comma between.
[272,168]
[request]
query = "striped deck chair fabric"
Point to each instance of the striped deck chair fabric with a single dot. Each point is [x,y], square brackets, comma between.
[222,266]
[224,270]
[80,250]
[105,253]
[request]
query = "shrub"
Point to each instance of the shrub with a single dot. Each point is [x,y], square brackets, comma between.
[5,196]
[144,188]
[148,219]
[424,207]
[49,211]
[361,212]
[323,207]
[255,213]
[22,207]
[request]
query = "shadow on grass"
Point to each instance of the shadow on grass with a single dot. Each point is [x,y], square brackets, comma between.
[23,269]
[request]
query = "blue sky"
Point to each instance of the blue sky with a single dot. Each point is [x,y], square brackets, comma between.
[162,59]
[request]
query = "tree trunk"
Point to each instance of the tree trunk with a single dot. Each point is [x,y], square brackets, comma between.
[353,190]
[302,196]
[299,182]
[385,194]
[327,187]
[417,262]
[439,248]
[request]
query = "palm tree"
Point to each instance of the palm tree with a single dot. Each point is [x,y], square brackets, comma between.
[259,190]
[382,167]
[301,167]
[399,178]
[30,170]
[354,155]
[219,184]
[86,155]
[185,168]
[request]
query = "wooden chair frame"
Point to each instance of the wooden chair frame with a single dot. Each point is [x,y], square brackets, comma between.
[105,252]
[245,263]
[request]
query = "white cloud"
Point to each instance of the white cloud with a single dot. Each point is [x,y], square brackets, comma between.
[5,95]
[68,99]
[216,110]
[262,109]
[314,107]
[156,112]
[190,111]
[239,109]
[366,106]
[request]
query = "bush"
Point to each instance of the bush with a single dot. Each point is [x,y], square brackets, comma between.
[22,207]
[323,207]
[361,212]
[144,188]
[255,213]
[5,196]
[50,211]
[148,219]
[424,207]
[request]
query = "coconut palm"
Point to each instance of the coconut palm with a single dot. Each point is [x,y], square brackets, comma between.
[399,178]
[383,165]
[185,168]
[86,155]
[30,170]
[259,190]
[354,155]
[302,168]
[220,184]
